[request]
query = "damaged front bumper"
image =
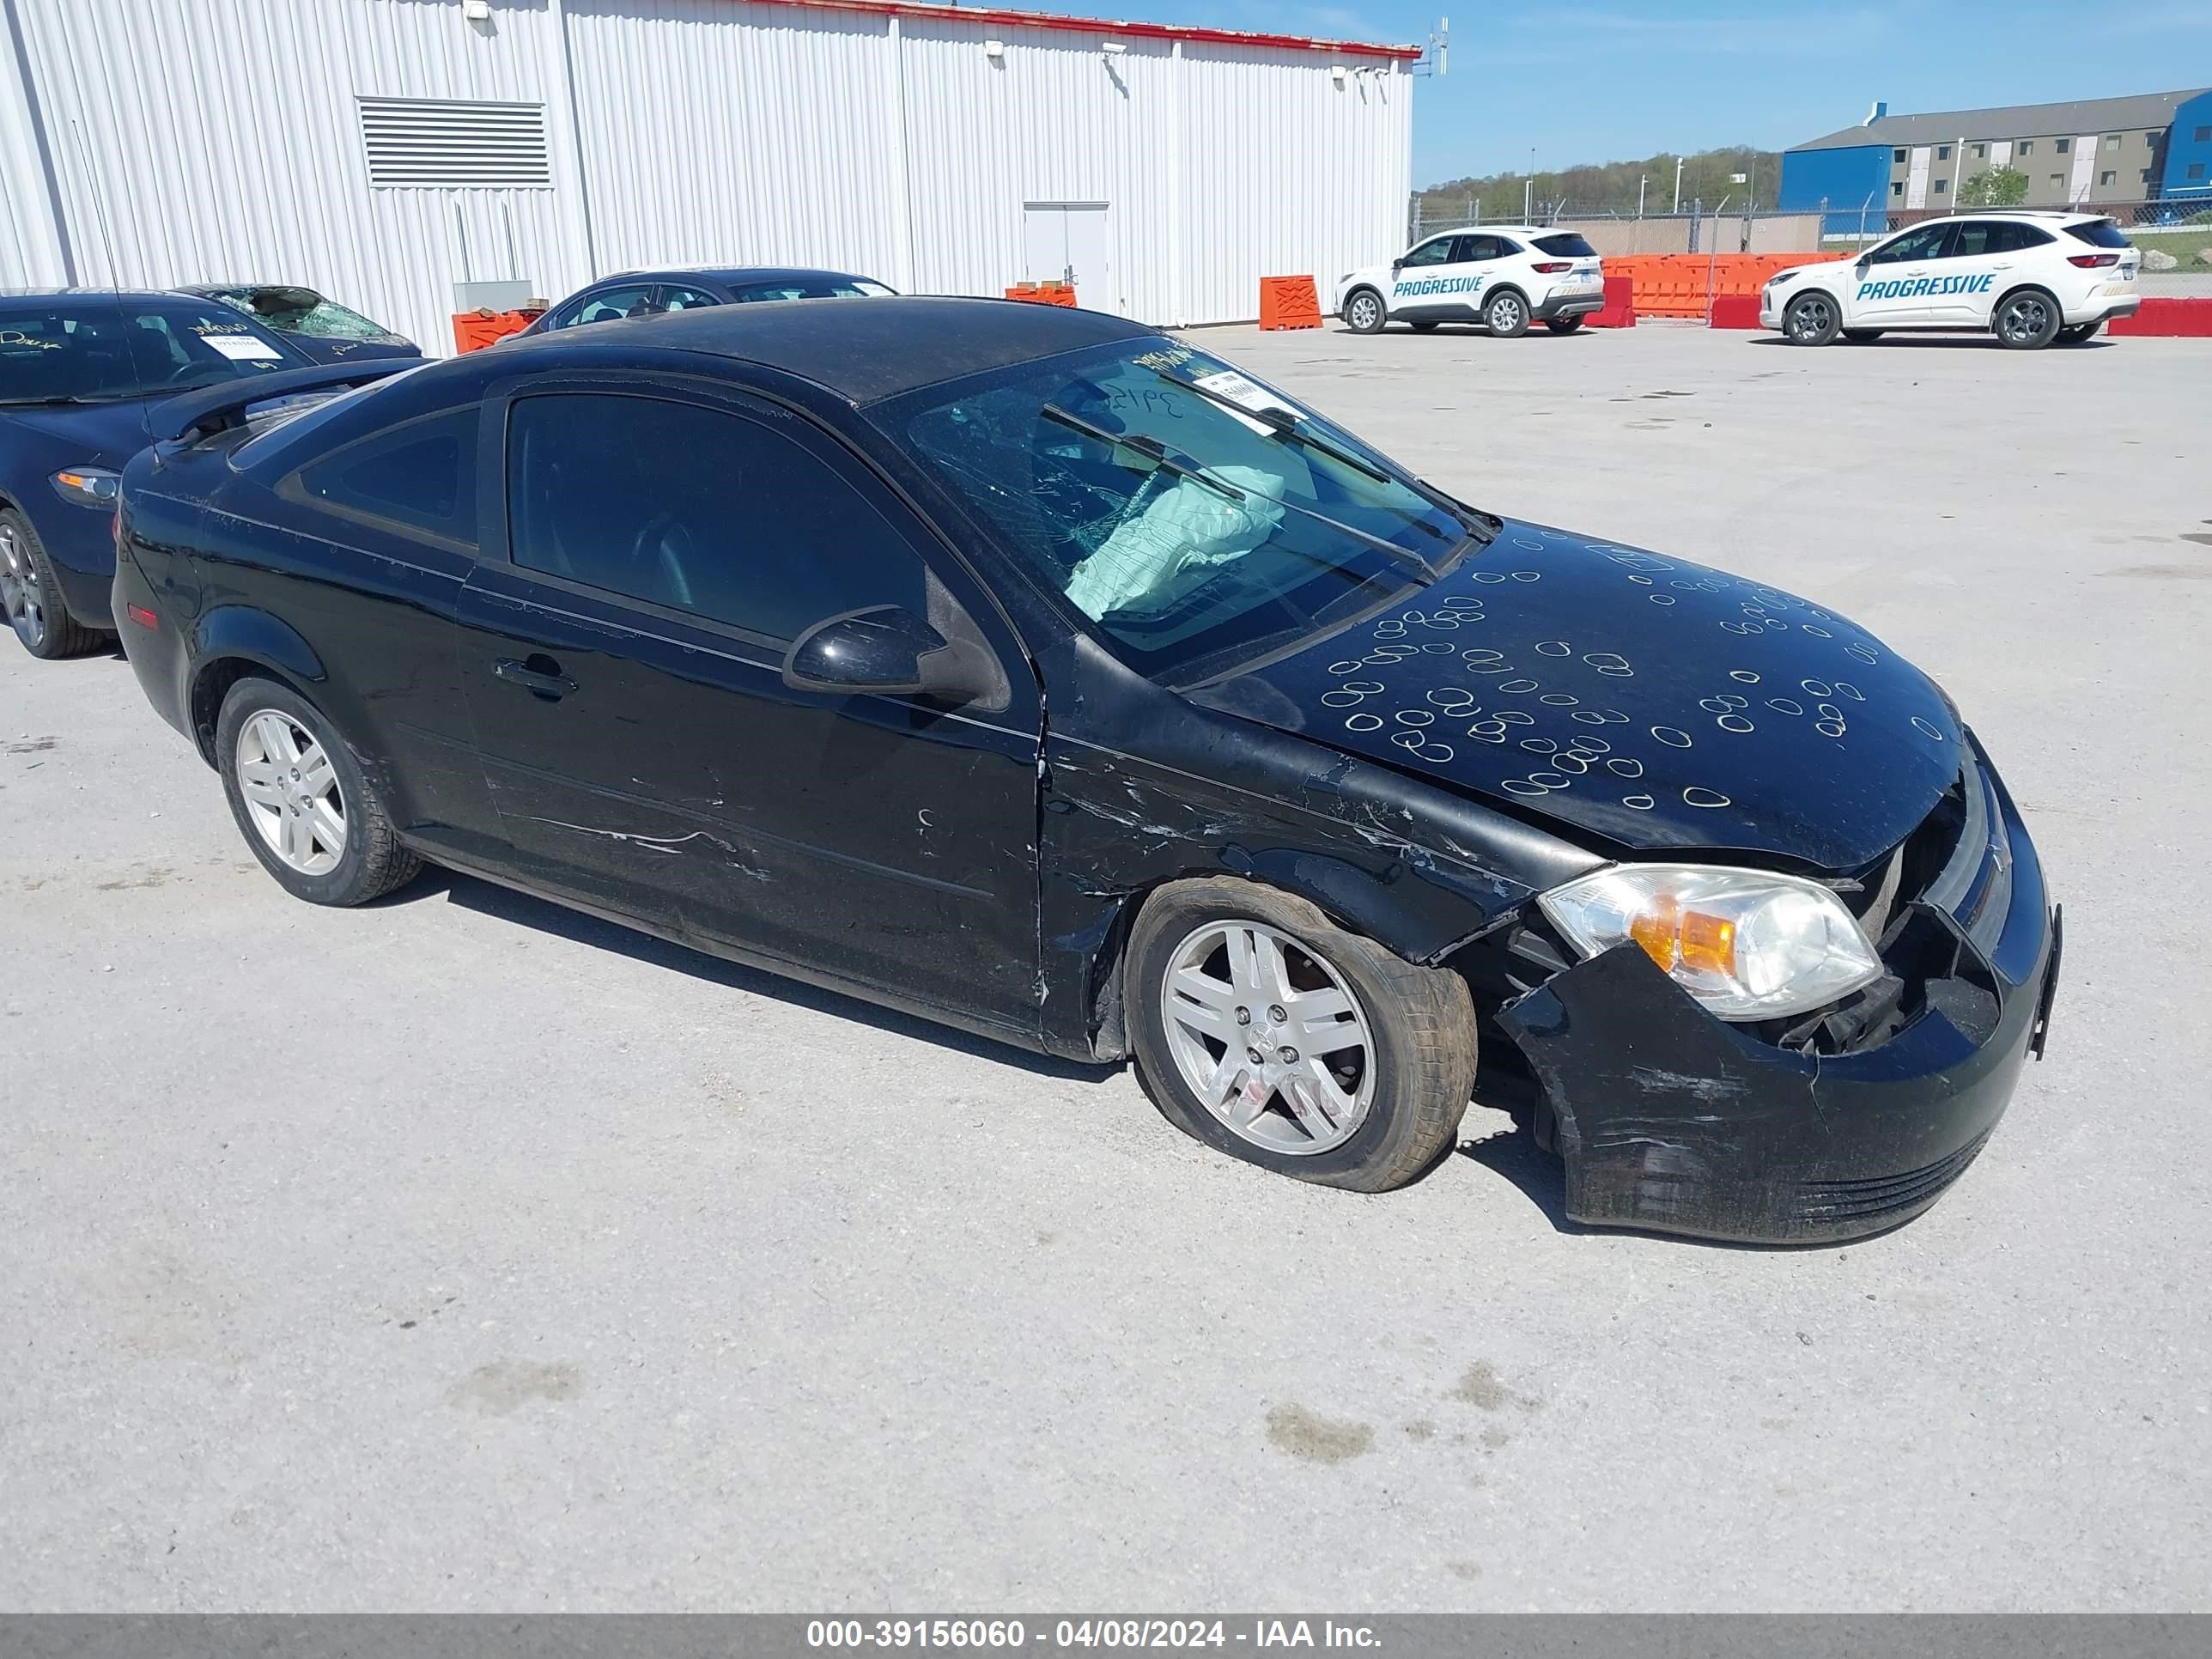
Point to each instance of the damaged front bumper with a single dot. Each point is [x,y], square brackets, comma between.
[1672,1120]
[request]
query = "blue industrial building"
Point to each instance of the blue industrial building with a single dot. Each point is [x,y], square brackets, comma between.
[2112,153]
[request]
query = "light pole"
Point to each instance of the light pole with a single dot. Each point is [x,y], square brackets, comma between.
[1641,179]
[1528,187]
[1678,184]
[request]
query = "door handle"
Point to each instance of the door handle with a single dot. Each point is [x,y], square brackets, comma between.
[541,677]
[2002,264]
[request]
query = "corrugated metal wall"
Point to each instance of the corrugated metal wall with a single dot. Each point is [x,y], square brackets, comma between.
[219,140]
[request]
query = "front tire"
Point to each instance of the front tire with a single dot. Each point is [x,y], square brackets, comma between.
[2075,333]
[1271,1034]
[1812,321]
[1563,324]
[1364,313]
[1506,316]
[2027,321]
[30,595]
[301,801]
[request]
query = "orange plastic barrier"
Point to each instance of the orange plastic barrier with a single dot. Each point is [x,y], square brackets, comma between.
[1687,284]
[1042,294]
[475,330]
[1289,302]
[2169,319]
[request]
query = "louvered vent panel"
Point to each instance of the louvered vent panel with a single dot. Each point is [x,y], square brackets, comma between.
[433,143]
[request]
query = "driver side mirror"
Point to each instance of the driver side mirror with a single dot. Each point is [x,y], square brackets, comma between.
[1397,265]
[1864,265]
[884,650]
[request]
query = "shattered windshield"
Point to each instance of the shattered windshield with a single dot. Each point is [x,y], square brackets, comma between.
[1195,516]
[303,311]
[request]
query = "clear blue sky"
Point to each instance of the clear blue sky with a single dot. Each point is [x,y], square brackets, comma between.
[1603,83]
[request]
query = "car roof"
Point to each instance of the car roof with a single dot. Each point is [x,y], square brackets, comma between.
[862,352]
[212,291]
[136,295]
[734,274]
[1501,230]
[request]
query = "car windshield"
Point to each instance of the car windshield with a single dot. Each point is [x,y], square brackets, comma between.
[1197,519]
[108,350]
[791,287]
[2102,233]
[302,310]
[1566,245]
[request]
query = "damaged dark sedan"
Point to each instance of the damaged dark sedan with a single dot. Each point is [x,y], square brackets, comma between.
[1028,670]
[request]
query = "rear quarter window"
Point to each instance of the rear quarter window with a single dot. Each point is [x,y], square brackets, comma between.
[2103,233]
[1566,245]
[418,476]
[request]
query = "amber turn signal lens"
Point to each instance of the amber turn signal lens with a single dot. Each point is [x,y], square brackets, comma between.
[1673,936]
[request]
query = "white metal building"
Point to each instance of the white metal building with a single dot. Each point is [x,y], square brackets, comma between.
[382,151]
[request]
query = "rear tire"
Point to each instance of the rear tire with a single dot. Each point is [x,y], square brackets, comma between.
[295,787]
[1563,324]
[1862,336]
[1506,316]
[31,596]
[1403,1063]
[1363,312]
[1812,319]
[2075,333]
[2026,319]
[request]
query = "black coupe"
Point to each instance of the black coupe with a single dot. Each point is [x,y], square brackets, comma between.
[1033,671]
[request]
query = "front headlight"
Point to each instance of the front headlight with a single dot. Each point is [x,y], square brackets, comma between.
[89,486]
[1780,277]
[1747,945]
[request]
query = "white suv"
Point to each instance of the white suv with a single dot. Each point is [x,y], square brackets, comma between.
[2030,278]
[1503,277]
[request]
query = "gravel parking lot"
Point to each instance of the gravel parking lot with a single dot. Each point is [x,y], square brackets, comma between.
[460,1253]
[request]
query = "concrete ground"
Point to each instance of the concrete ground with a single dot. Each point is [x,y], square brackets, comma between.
[461,1253]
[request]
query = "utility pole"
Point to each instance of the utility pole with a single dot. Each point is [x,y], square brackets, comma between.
[1678,184]
[1641,179]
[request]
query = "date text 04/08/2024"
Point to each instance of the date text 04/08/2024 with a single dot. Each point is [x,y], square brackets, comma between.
[1118,1633]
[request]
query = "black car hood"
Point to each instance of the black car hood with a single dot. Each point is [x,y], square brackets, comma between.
[1655,702]
[333,349]
[85,434]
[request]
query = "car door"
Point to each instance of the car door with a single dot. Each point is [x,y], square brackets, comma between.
[1894,281]
[605,304]
[659,551]
[1978,255]
[1418,286]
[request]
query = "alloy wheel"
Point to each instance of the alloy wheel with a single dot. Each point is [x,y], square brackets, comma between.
[1269,1036]
[291,791]
[1366,312]
[1504,313]
[20,599]
[2025,316]
[1811,318]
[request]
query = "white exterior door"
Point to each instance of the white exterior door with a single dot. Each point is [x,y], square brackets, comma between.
[1969,276]
[1069,242]
[1421,287]
[1895,291]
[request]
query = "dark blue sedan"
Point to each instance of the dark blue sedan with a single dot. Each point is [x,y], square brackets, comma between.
[77,372]
[649,292]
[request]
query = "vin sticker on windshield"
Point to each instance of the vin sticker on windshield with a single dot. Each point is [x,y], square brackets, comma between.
[1229,384]
[243,348]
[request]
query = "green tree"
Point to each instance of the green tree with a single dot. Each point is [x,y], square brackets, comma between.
[1999,187]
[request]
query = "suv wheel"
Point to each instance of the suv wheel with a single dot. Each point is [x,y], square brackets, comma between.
[1506,316]
[302,801]
[1811,321]
[1269,1033]
[1364,313]
[2027,321]
[31,597]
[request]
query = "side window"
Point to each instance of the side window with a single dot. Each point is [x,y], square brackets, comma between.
[1976,237]
[1925,243]
[1436,252]
[420,476]
[697,509]
[675,298]
[2013,237]
[606,305]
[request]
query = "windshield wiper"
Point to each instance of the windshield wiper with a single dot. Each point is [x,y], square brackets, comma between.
[1154,451]
[1283,424]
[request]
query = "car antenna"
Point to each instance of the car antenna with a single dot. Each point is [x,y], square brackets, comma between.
[107,249]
